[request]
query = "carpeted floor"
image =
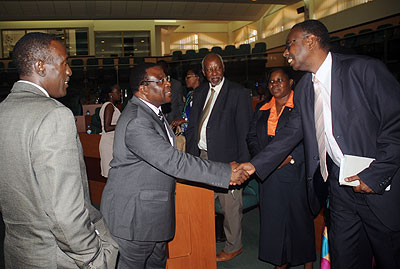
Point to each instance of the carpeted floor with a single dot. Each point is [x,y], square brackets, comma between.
[249,257]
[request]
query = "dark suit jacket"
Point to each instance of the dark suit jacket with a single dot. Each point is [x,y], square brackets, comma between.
[138,202]
[227,126]
[174,109]
[366,122]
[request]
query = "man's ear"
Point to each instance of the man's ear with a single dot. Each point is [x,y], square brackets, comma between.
[39,68]
[312,41]
[142,89]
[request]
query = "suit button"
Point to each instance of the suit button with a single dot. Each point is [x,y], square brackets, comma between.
[316,158]
[337,137]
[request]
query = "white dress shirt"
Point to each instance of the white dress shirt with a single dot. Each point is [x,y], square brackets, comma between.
[203,132]
[324,75]
[37,86]
[157,111]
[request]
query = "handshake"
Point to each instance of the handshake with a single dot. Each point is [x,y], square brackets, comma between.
[241,172]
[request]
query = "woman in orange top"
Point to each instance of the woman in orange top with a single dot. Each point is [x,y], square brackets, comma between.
[287,227]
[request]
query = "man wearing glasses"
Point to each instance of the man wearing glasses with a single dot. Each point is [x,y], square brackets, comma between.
[345,105]
[138,201]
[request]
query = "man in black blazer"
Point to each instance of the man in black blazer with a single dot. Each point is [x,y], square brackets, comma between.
[138,201]
[219,134]
[361,116]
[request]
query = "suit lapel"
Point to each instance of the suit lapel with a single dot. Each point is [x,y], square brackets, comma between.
[162,131]
[219,103]
[262,127]
[336,88]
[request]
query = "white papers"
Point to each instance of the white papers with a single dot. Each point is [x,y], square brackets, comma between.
[352,165]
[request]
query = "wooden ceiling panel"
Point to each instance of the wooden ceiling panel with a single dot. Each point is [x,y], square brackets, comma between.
[103,9]
[62,9]
[133,9]
[118,8]
[136,9]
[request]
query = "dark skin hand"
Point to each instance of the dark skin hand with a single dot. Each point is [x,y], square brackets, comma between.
[285,162]
[362,188]
[238,175]
[178,122]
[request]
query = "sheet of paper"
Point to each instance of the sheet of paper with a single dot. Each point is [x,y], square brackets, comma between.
[352,165]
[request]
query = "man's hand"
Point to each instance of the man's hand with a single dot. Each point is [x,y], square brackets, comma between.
[285,162]
[177,122]
[238,175]
[362,188]
[248,167]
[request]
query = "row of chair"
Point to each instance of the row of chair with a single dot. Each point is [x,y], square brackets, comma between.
[230,50]
[376,43]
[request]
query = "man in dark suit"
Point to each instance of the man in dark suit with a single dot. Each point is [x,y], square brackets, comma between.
[173,109]
[361,116]
[138,201]
[217,130]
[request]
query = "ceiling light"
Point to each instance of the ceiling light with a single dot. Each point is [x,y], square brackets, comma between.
[142,41]
[102,41]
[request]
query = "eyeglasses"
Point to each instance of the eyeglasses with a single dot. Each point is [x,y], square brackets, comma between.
[162,81]
[279,80]
[290,43]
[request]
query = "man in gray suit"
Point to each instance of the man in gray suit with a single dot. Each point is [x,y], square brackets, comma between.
[138,202]
[44,194]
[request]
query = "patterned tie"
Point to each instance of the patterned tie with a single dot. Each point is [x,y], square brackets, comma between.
[161,116]
[319,126]
[206,111]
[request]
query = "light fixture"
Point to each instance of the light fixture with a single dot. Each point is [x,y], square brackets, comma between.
[102,41]
[142,41]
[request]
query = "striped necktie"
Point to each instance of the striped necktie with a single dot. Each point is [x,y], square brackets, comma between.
[206,111]
[319,126]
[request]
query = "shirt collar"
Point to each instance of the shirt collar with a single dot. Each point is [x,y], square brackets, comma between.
[218,88]
[324,72]
[153,107]
[271,103]
[35,85]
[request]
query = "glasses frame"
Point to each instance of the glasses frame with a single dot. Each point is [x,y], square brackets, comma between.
[290,43]
[157,81]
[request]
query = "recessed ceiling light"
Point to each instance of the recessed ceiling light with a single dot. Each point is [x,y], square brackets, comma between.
[102,41]
[142,41]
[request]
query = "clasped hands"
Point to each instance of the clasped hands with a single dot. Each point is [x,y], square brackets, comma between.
[240,172]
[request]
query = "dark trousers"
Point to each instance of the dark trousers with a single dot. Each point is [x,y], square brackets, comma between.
[355,233]
[141,254]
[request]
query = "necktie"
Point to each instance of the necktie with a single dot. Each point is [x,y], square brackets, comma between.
[319,127]
[206,111]
[161,116]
